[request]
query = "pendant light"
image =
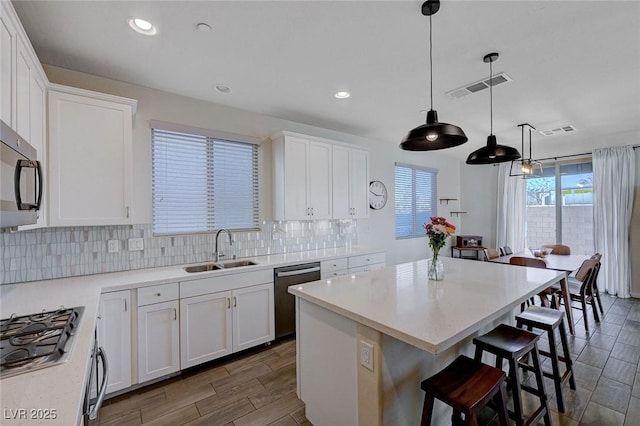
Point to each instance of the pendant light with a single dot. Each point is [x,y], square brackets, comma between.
[527,166]
[492,152]
[432,135]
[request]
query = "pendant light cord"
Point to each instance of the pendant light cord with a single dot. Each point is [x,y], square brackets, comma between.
[431,60]
[491,91]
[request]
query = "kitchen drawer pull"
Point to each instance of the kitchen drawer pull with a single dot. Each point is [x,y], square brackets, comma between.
[228,303]
[160,294]
[235,302]
[175,314]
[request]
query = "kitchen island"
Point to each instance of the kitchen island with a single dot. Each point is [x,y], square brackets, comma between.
[405,327]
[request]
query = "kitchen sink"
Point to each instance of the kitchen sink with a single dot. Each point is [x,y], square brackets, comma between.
[202,268]
[236,264]
[215,266]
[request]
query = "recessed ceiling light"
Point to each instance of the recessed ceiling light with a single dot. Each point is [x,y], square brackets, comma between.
[142,26]
[205,28]
[342,95]
[223,89]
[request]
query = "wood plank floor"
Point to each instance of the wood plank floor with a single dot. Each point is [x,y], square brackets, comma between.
[256,389]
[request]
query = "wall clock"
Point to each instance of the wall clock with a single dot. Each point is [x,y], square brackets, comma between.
[377,195]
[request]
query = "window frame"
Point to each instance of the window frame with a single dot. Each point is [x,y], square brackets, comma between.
[417,231]
[212,136]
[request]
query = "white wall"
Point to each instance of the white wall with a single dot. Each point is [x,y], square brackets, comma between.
[377,231]
[479,200]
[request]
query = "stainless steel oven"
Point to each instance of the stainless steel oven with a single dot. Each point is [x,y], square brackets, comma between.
[20,180]
[285,302]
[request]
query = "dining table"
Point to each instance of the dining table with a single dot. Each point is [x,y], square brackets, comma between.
[565,263]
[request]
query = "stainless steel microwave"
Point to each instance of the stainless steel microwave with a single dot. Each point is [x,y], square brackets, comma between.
[20,180]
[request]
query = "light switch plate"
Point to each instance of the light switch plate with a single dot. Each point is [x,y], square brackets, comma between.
[113,246]
[136,244]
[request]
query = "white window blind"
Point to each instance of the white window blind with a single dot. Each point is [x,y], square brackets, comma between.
[201,183]
[415,189]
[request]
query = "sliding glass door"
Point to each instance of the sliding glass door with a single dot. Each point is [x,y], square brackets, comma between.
[560,207]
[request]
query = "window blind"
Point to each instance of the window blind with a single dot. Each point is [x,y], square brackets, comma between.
[415,202]
[201,183]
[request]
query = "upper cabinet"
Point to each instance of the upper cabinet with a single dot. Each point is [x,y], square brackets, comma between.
[301,178]
[350,168]
[90,157]
[23,86]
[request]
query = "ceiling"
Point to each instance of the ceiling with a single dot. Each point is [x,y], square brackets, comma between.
[572,62]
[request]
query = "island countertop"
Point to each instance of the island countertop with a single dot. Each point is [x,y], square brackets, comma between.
[401,302]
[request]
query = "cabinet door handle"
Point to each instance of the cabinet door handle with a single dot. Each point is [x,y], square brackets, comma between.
[175,314]
[235,302]
[158,294]
[228,303]
[127,211]
[125,305]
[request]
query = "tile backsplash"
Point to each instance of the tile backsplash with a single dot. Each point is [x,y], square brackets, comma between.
[67,252]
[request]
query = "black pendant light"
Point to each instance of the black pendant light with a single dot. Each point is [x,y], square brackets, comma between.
[432,135]
[492,152]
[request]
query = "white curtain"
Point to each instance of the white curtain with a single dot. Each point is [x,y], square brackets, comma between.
[613,186]
[512,210]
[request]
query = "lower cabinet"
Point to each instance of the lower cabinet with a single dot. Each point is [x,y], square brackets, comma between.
[114,335]
[205,328]
[158,340]
[218,324]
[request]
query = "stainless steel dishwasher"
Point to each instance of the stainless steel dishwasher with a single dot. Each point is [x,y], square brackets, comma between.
[285,302]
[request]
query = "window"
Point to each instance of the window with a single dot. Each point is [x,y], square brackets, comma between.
[202,183]
[560,207]
[415,199]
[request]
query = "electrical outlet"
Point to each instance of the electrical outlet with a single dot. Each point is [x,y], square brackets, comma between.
[136,244]
[113,246]
[366,355]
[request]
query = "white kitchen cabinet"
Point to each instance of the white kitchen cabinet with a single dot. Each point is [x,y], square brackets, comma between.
[114,335]
[23,86]
[367,262]
[350,169]
[158,332]
[334,268]
[302,178]
[205,328]
[90,158]
[238,316]
[253,316]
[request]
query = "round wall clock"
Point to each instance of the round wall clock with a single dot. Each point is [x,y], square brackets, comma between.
[377,195]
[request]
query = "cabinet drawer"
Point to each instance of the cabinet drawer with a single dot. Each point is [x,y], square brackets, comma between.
[333,265]
[367,268]
[366,259]
[338,273]
[157,294]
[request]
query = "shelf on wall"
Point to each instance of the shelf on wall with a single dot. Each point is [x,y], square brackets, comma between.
[457,213]
[447,200]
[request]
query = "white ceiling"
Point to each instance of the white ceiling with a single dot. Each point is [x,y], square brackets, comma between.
[572,62]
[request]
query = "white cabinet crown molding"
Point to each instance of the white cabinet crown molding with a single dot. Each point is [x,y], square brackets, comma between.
[133,103]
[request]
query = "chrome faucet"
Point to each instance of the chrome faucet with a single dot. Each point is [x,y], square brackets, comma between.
[217,254]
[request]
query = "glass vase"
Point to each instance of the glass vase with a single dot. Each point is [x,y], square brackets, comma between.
[436,268]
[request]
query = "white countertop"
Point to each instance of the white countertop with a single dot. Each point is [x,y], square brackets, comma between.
[35,390]
[401,302]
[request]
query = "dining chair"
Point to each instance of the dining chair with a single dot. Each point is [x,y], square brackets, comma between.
[544,294]
[581,289]
[505,251]
[558,249]
[490,254]
[596,291]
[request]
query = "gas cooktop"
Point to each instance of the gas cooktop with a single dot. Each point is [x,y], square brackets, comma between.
[35,341]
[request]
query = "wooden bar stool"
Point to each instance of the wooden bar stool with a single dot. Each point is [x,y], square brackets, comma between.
[467,386]
[549,320]
[511,343]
